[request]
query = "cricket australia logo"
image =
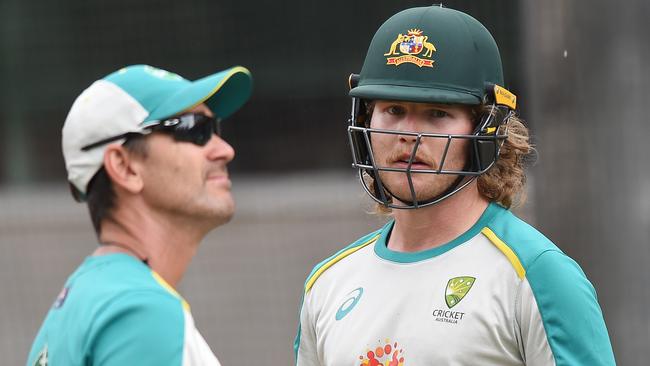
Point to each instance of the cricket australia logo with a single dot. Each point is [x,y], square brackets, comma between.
[410,45]
[457,289]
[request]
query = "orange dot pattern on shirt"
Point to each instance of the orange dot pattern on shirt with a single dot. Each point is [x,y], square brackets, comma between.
[383,355]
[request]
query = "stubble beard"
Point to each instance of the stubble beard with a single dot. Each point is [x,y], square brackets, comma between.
[426,185]
[216,210]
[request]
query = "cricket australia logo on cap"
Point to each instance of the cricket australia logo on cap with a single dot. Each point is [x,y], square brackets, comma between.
[406,48]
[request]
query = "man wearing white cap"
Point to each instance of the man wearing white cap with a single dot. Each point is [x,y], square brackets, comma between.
[142,148]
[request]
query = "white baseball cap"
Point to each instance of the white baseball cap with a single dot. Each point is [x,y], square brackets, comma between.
[133,98]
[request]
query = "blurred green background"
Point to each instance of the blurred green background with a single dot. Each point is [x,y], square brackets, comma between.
[581,70]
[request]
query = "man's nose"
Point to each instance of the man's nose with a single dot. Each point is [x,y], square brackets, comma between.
[219,149]
[409,123]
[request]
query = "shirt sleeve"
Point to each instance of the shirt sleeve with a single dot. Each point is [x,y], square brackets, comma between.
[138,328]
[534,345]
[305,343]
[560,320]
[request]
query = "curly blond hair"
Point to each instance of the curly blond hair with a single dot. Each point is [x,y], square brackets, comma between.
[505,181]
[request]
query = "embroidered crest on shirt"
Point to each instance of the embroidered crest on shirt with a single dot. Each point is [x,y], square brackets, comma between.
[457,288]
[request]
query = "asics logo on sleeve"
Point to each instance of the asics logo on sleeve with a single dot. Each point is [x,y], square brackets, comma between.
[349,303]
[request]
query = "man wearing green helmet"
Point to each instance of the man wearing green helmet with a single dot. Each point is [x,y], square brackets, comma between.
[454,278]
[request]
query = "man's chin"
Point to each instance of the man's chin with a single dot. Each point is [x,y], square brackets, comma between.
[225,212]
[423,192]
[216,210]
[223,219]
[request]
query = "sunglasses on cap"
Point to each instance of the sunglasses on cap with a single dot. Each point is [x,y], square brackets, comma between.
[196,128]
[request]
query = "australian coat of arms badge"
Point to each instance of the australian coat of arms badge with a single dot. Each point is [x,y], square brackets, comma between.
[407,47]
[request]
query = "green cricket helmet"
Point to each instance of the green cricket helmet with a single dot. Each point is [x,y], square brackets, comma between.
[430,55]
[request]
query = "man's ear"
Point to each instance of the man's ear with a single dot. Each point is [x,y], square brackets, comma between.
[124,168]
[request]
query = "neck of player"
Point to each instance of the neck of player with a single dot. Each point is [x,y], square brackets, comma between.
[433,226]
[166,244]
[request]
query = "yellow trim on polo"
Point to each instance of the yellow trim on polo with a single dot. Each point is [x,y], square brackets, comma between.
[161,281]
[505,249]
[334,260]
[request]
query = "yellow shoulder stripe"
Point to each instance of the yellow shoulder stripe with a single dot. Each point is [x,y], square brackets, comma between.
[161,281]
[505,249]
[334,260]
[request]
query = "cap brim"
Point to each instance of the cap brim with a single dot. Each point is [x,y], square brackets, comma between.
[224,93]
[414,94]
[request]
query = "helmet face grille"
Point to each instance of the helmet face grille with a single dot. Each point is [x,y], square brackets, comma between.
[484,146]
[484,152]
